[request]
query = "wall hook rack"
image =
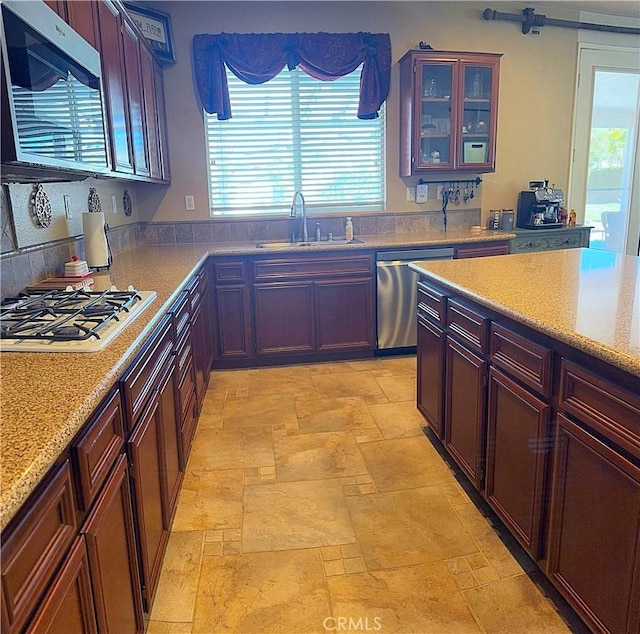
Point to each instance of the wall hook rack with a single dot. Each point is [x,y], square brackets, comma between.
[452,181]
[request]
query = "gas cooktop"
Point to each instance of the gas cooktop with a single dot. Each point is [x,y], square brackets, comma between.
[68,321]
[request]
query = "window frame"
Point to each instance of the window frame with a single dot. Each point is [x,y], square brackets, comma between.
[279,207]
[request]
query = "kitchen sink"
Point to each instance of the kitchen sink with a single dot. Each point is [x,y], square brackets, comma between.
[323,243]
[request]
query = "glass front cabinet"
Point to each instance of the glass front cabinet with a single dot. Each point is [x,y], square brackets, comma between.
[448,111]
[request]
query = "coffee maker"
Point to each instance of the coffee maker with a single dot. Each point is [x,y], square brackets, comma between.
[539,208]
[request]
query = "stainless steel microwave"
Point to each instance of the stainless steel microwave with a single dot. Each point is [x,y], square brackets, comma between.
[53,114]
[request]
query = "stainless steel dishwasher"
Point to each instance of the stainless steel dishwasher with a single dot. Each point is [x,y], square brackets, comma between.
[397,295]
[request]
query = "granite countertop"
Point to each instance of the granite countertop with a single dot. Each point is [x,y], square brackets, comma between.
[45,398]
[586,298]
[382,241]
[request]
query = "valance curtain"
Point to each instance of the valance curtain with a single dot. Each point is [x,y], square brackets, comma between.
[257,58]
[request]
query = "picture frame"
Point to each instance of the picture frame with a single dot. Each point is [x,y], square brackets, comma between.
[155,26]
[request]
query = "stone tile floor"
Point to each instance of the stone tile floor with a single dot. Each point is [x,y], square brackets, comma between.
[314,502]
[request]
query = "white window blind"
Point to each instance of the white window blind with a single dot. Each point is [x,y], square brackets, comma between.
[295,133]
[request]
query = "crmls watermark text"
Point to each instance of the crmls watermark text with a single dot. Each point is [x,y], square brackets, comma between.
[350,624]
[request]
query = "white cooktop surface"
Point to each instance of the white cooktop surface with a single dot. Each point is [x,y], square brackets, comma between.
[107,334]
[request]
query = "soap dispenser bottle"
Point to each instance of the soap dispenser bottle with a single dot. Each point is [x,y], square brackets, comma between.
[348,230]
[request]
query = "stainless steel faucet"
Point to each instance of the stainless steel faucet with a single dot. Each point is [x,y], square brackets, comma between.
[298,195]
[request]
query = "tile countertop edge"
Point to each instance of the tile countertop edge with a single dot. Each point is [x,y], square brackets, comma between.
[588,345]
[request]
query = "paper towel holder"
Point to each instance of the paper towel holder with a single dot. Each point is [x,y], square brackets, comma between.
[96,240]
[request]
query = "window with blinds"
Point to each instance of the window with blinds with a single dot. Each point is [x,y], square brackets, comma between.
[295,133]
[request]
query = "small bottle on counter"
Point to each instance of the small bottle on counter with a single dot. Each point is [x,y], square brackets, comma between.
[564,218]
[318,234]
[572,218]
[348,230]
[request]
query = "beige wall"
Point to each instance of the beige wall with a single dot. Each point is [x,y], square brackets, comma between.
[535,103]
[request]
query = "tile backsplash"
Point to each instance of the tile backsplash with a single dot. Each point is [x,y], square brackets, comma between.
[26,266]
[280,228]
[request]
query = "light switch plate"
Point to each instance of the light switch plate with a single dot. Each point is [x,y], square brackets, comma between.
[114,204]
[411,193]
[190,203]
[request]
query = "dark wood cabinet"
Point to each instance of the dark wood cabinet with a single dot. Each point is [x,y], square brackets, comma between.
[594,543]
[68,606]
[518,446]
[96,448]
[465,409]
[151,113]
[448,111]
[149,392]
[35,545]
[318,304]
[431,374]
[431,355]
[111,48]
[519,434]
[185,376]
[82,16]
[594,540]
[171,439]
[479,250]
[202,332]
[284,318]
[466,387]
[133,81]
[149,496]
[161,122]
[344,314]
[113,561]
[232,309]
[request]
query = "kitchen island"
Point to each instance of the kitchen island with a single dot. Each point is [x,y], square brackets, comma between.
[529,376]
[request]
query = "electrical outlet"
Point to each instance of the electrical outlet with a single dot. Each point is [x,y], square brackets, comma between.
[440,188]
[114,204]
[190,203]
[422,193]
[411,193]
[67,207]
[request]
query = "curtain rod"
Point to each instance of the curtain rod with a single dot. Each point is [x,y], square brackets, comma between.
[532,21]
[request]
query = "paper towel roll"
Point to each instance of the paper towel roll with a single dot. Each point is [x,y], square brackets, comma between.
[96,250]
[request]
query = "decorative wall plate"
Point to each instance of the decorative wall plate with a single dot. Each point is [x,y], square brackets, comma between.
[126,203]
[93,203]
[41,206]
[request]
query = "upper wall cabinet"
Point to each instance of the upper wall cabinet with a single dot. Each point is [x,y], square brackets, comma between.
[133,85]
[448,111]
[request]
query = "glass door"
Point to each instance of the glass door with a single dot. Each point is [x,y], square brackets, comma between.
[476,124]
[435,129]
[606,163]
